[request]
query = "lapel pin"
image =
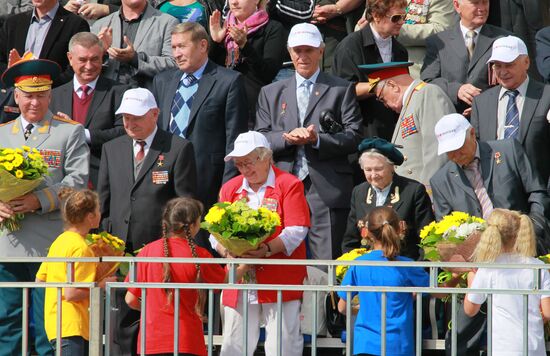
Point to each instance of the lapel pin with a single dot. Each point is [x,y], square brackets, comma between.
[283,108]
[316,93]
[497,157]
[160,161]
[394,198]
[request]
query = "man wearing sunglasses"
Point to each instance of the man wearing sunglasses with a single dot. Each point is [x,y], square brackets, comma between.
[420,106]
[375,43]
[456,59]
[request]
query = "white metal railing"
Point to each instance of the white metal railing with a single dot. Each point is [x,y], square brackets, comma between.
[97,314]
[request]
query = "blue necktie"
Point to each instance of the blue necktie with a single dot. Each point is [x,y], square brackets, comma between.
[511,126]
[181,106]
[300,164]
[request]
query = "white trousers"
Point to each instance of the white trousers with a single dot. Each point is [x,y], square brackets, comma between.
[233,340]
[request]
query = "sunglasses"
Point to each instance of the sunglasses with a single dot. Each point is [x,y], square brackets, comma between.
[397,17]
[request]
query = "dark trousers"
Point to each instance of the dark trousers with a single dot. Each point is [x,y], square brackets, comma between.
[72,346]
[126,326]
[327,225]
[11,311]
[470,332]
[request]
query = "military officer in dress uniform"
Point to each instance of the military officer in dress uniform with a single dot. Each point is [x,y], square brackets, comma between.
[62,144]
[420,105]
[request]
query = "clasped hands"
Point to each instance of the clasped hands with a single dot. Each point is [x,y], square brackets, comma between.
[125,54]
[218,33]
[301,136]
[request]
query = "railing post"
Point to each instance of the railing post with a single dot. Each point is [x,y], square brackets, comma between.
[96,321]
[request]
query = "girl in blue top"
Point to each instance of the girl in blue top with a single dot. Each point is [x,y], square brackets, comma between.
[383,230]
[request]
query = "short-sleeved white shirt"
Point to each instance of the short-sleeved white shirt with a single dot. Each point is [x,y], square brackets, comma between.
[508,309]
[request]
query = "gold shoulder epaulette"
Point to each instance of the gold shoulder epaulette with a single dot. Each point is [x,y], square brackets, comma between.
[5,123]
[61,118]
[420,86]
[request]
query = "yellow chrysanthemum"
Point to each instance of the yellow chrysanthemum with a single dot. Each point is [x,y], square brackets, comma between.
[26,148]
[214,216]
[19,174]
[8,166]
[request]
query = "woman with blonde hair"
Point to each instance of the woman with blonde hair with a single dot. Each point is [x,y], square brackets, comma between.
[510,239]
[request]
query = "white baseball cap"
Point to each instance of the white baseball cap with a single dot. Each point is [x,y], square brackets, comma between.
[450,131]
[246,143]
[304,34]
[507,49]
[137,102]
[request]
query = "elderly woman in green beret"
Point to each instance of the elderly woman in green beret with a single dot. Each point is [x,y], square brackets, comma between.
[384,187]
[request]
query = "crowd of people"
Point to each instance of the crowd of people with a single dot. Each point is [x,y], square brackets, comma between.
[149,112]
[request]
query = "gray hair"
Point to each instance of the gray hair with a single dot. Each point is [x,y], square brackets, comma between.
[373,153]
[85,39]
[263,152]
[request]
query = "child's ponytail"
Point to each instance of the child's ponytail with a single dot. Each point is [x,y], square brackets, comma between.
[383,226]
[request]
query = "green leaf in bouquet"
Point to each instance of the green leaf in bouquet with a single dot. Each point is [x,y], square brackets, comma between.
[432,255]
[431,240]
[227,234]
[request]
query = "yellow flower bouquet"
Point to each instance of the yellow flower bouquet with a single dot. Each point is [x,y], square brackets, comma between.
[348,256]
[105,244]
[239,228]
[21,171]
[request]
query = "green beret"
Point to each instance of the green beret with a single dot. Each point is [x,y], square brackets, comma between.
[384,147]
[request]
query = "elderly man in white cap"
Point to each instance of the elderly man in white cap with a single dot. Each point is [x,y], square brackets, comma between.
[479,177]
[516,108]
[290,113]
[264,185]
[139,173]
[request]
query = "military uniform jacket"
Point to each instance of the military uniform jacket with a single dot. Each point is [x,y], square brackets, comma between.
[423,106]
[62,143]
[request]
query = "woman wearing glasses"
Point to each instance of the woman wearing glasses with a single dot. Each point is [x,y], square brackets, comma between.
[375,43]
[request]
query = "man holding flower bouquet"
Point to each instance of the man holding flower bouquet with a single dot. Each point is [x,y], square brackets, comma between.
[62,145]
[261,184]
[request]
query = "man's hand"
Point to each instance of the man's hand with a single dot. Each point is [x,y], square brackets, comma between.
[106,36]
[467,92]
[63,115]
[323,13]
[73,6]
[6,212]
[93,11]
[125,54]
[301,136]
[13,57]
[25,204]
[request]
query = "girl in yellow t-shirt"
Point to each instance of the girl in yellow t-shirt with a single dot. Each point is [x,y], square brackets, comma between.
[80,211]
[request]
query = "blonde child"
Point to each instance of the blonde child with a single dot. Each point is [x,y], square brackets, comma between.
[383,231]
[510,239]
[80,211]
[180,223]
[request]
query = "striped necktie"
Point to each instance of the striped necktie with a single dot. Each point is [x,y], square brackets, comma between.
[477,184]
[511,125]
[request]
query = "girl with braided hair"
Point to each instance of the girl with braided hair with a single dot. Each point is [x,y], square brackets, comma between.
[180,223]
[383,231]
[510,239]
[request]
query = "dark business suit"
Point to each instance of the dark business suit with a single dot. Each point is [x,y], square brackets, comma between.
[101,121]
[218,115]
[447,65]
[534,129]
[407,197]
[132,208]
[64,25]
[360,48]
[512,184]
[543,53]
[8,108]
[329,170]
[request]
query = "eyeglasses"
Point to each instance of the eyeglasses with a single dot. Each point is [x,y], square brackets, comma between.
[397,17]
[380,97]
[249,164]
